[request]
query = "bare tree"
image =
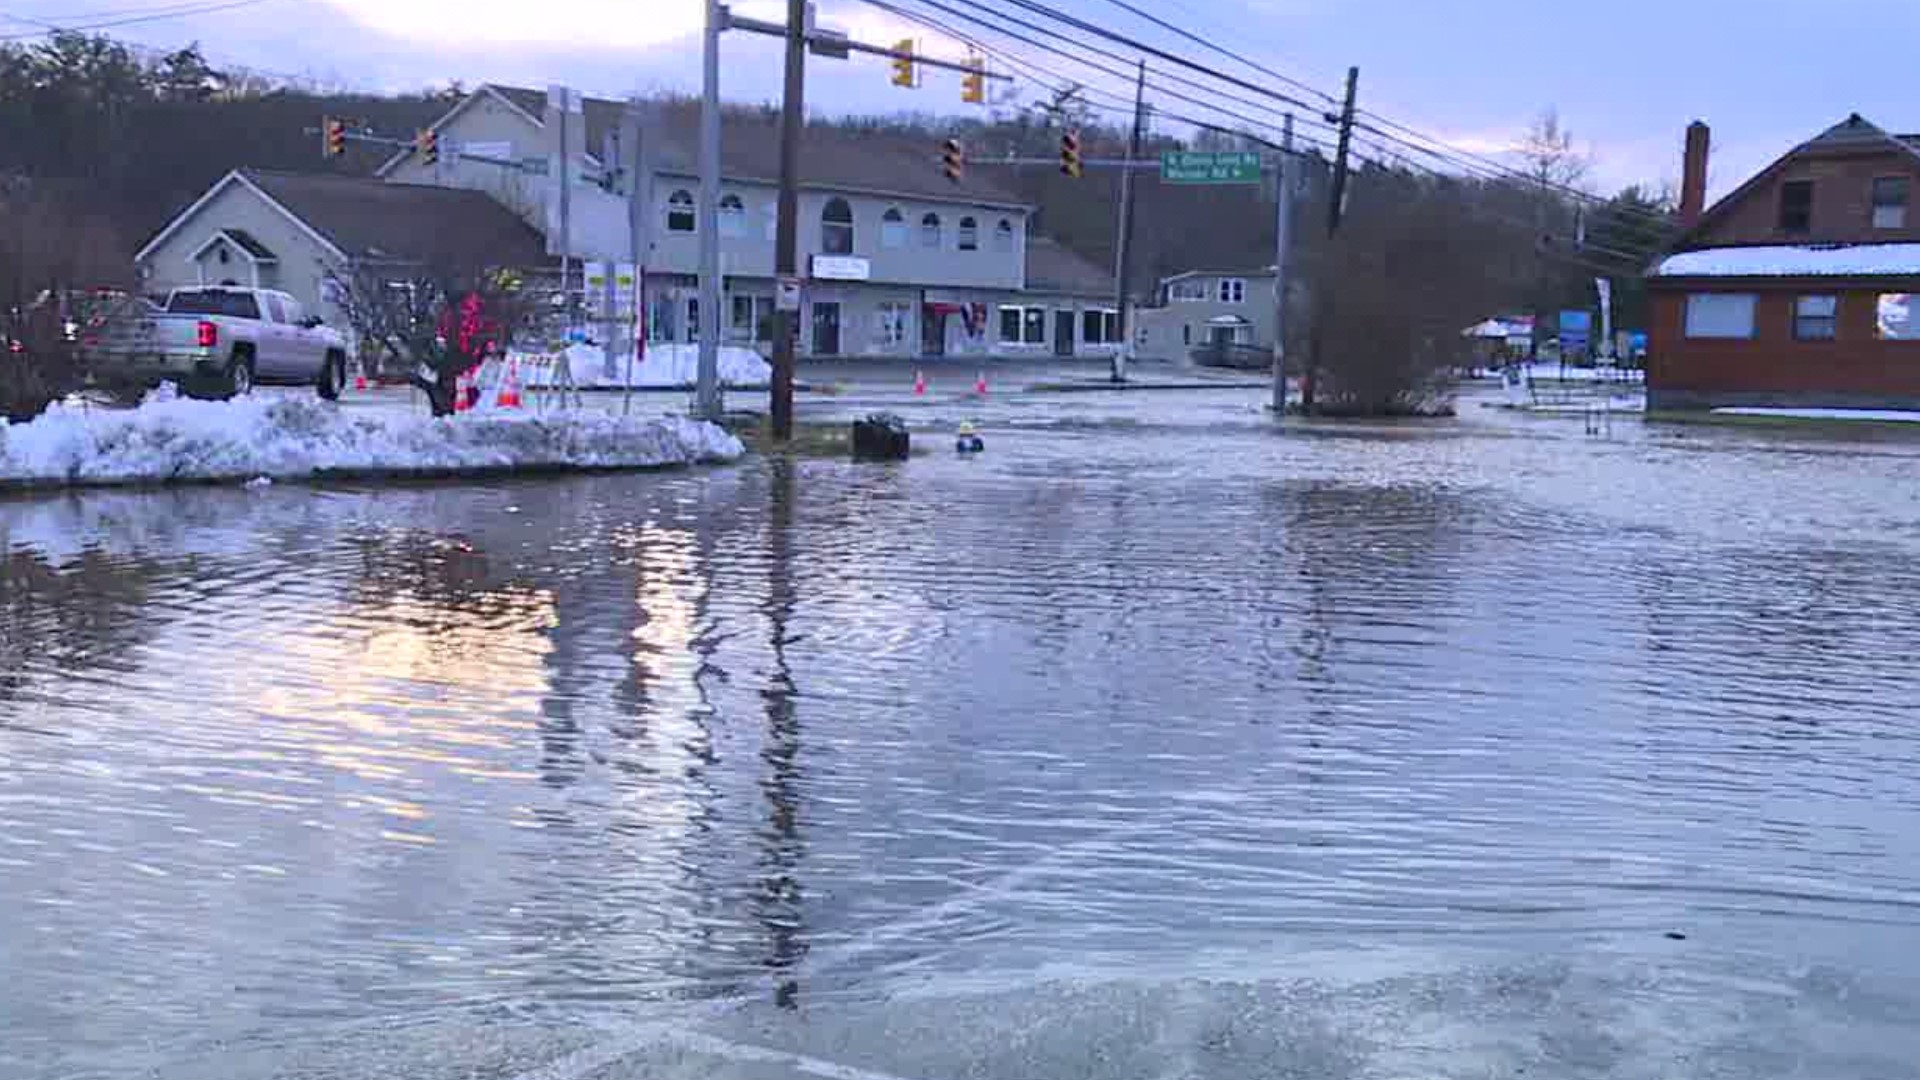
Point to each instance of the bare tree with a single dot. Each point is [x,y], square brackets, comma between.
[431,322]
[1549,153]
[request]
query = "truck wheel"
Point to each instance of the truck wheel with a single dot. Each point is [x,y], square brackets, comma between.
[333,376]
[239,377]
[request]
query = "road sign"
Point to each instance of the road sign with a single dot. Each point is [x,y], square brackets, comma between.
[1576,329]
[1210,167]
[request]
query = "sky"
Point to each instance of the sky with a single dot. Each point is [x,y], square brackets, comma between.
[1624,78]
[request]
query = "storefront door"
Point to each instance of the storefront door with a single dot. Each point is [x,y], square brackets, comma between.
[1062,332]
[826,328]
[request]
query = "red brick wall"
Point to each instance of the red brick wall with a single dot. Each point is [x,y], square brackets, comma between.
[1772,367]
[1842,202]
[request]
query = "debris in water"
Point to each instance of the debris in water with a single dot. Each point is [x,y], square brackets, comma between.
[1675,935]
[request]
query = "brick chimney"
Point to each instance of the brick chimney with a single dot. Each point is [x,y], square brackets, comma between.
[1693,175]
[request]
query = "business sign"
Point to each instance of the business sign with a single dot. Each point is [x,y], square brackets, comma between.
[1210,167]
[786,294]
[1576,329]
[841,268]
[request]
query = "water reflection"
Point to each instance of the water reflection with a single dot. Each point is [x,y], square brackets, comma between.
[779,900]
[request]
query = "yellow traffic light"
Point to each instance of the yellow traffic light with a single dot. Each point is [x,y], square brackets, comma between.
[333,136]
[903,74]
[952,161]
[426,143]
[1070,154]
[973,85]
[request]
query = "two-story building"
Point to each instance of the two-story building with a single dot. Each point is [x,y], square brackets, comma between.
[1799,287]
[1208,308]
[897,259]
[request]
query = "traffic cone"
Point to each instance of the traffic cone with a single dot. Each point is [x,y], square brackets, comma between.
[919,383]
[461,401]
[510,389]
[980,384]
[360,381]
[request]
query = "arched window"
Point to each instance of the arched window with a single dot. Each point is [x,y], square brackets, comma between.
[930,230]
[836,227]
[733,216]
[680,211]
[893,229]
[969,234]
[1003,236]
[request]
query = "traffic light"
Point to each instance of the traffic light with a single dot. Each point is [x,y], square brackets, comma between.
[973,85]
[903,65]
[1070,153]
[951,161]
[333,136]
[426,143]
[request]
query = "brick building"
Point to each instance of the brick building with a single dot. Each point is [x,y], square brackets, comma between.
[1801,287]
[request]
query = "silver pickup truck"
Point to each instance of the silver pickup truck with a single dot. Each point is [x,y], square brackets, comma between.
[220,341]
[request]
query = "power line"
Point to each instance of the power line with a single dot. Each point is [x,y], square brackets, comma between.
[150,15]
[1223,50]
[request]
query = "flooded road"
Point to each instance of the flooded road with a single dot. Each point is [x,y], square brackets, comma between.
[1165,745]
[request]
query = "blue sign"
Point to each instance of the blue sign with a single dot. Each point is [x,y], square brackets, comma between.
[1576,329]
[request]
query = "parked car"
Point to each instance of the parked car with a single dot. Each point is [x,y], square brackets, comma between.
[220,341]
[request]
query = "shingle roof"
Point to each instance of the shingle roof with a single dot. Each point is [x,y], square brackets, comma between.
[1054,269]
[370,218]
[750,150]
[250,243]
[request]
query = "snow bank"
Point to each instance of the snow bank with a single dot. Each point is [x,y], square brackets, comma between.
[663,366]
[1548,372]
[1884,415]
[302,436]
[1781,260]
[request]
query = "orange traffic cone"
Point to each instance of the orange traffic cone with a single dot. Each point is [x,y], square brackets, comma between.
[919,383]
[462,401]
[980,384]
[510,389]
[360,380]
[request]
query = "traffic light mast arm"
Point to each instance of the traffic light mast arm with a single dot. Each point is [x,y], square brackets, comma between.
[761,26]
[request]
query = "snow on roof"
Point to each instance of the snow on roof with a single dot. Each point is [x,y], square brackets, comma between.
[1842,260]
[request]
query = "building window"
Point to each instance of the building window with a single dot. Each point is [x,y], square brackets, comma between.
[836,227]
[733,217]
[1890,202]
[1894,317]
[893,230]
[1100,327]
[1023,325]
[892,325]
[1796,206]
[1813,317]
[1003,236]
[930,231]
[1720,315]
[1233,290]
[969,234]
[1189,291]
[680,211]
[748,316]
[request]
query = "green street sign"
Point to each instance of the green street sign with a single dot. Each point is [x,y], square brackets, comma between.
[1210,167]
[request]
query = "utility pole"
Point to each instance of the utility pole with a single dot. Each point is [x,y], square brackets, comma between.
[1122,270]
[636,138]
[786,240]
[1282,228]
[1336,198]
[707,395]
[565,176]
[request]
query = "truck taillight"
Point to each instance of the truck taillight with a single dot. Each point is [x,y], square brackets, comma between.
[209,334]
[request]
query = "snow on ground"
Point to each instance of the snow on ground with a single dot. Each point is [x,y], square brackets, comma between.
[301,436]
[1550,372]
[663,366]
[1887,415]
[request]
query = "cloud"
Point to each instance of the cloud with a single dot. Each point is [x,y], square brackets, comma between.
[466,23]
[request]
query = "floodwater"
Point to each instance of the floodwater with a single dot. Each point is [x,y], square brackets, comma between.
[1165,746]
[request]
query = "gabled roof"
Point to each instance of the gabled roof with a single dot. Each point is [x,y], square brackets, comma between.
[248,244]
[236,178]
[873,162]
[1855,132]
[1052,268]
[1260,271]
[368,218]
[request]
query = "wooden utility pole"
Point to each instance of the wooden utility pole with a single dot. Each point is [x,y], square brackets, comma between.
[1336,199]
[786,322]
[1123,268]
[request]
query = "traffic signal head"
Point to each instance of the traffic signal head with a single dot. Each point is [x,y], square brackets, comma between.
[952,162]
[973,86]
[426,143]
[333,136]
[903,65]
[1070,153]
